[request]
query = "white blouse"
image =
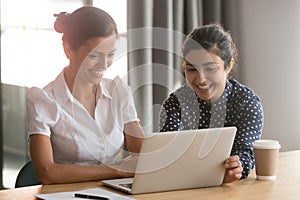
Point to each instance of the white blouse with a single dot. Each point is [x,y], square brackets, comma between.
[77,137]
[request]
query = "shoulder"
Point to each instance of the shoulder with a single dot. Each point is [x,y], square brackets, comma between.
[183,96]
[41,106]
[177,94]
[186,96]
[242,92]
[117,82]
[244,98]
[47,92]
[115,87]
[171,101]
[36,93]
[183,90]
[183,93]
[56,86]
[38,97]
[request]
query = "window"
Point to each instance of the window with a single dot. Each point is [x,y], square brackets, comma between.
[32,55]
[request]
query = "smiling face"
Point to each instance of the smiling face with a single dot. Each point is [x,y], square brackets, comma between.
[92,59]
[205,74]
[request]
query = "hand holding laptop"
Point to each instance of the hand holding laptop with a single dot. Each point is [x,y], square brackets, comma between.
[233,169]
[127,165]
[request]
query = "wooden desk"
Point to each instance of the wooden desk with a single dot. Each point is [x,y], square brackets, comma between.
[287,186]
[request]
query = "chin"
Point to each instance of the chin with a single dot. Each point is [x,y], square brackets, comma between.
[96,81]
[204,98]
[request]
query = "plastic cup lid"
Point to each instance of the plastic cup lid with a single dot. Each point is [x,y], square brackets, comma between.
[266,144]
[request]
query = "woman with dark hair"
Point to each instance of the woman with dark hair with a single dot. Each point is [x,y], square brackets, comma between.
[211,99]
[79,123]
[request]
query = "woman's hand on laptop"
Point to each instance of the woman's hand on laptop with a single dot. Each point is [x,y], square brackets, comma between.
[127,166]
[234,169]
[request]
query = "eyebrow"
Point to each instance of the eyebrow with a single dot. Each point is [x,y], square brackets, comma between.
[93,51]
[209,63]
[203,65]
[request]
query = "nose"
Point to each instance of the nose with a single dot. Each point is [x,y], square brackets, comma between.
[102,62]
[103,65]
[201,76]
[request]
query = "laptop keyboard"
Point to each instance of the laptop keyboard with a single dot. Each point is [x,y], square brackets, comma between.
[127,185]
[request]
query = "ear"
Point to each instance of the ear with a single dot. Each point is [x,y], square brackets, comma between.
[229,68]
[67,49]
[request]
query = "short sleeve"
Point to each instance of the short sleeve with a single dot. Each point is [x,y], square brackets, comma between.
[126,100]
[41,112]
[130,113]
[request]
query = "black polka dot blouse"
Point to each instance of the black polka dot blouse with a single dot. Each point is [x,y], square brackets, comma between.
[239,106]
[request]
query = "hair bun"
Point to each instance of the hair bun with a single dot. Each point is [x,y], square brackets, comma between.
[61,22]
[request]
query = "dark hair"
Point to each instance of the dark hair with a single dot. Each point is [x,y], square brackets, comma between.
[83,24]
[212,38]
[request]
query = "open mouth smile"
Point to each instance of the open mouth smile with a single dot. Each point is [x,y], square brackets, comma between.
[97,72]
[203,87]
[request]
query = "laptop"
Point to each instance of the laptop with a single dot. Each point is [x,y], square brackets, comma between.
[179,160]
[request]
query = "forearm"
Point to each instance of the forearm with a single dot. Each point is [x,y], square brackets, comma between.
[134,136]
[63,173]
[250,129]
[50,172]
[243,147]
[247,161]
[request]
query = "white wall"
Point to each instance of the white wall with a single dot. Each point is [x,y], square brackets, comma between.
[269,38]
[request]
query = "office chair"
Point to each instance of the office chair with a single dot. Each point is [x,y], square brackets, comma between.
[27,176]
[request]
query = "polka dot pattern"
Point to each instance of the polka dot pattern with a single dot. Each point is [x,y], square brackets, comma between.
[238,106]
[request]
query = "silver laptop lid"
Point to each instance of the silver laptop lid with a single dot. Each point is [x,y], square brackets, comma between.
[183,159]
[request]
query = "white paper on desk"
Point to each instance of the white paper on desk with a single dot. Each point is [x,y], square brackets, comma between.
[92,191]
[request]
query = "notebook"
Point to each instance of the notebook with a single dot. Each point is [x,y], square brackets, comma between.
[179,160]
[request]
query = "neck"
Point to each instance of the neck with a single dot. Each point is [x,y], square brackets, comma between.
[86,93]
[77,87]
[69,77]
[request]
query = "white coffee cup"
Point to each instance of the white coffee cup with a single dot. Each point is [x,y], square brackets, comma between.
[266,158]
